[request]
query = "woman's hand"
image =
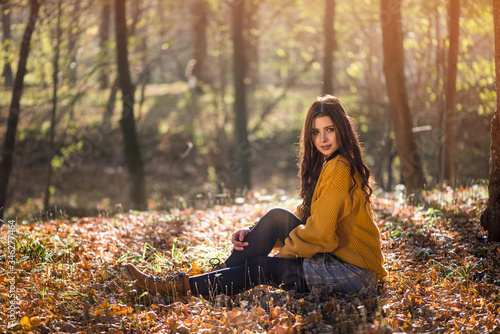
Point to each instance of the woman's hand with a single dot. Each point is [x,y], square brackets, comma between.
[237,239]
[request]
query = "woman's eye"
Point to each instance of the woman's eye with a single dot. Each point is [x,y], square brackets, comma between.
[315,132]
[330,129]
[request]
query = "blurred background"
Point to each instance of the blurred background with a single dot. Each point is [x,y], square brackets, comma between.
[219,90]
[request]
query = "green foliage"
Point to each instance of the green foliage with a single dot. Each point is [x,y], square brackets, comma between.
[66,152]
[33,250]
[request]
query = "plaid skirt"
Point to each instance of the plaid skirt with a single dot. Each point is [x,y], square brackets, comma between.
[324,269]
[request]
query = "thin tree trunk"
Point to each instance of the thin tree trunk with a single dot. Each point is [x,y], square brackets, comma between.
[104,40]
[490,219]
[242,169]
[73,37]
[15,107]
[162,31]
[110,106]
[7,40]
[390,151]
[329,32]
[133,157]
[142,79]
[451,92]
[199,10]
[55,79]
[438,88]
[410,157]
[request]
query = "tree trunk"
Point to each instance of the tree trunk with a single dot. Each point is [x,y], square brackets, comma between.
[410,157]
[133,157]
[17,90]
[440,66]
[451,92]
[199,10]
[490,219]
[162,32]
[73,38]
[55,81]
[329,32]
[110,106]
[103,40]
[243,149]
[7,40]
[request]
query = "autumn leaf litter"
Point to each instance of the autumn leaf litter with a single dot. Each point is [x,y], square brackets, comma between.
[444,275]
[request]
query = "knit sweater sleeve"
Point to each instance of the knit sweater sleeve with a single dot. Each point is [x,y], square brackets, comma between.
[331,203]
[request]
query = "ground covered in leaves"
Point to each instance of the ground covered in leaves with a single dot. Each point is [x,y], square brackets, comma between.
[64,275]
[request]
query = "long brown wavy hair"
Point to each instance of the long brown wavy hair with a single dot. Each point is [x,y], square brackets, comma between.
[311,161]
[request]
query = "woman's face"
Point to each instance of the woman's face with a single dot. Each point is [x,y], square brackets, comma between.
[324,136]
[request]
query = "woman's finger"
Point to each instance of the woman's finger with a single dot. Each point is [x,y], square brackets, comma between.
[243,234]
[239,246]
[235,237]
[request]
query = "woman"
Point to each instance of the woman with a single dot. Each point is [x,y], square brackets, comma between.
[330,239]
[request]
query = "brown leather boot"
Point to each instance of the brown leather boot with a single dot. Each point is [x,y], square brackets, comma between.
[174,285]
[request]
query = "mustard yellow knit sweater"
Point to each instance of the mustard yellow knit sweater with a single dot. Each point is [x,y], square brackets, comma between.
[339,224]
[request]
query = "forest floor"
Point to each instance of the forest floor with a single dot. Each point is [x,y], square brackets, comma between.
[67,276]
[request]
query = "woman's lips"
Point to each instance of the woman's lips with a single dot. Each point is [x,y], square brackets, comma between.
[326,148]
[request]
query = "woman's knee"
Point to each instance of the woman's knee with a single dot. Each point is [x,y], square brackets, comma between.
[279,214]
[279,222]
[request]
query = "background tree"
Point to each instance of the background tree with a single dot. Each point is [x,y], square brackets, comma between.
[451,91]
[74,34]
[411,160]
[190,148]
[132,152]
[490,219]
[199,17]
[6,40]
[15,106]
[242,167]
[55,82]
[104,33]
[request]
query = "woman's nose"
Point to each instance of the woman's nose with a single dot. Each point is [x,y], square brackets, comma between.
[324,137]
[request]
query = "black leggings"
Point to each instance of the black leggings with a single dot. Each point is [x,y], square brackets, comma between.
[252,266]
